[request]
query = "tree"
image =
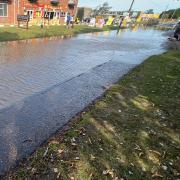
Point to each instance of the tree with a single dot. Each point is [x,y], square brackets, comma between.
[149,11]
[176,14]
[80,13]
[172,13]
[101,9]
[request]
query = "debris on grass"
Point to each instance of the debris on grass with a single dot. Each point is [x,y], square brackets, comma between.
[45,153]
[60,151]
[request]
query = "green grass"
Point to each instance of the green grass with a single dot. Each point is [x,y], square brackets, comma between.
[14,33]
[132,132]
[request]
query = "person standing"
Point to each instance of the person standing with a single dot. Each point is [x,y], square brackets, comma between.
[72,21]
[68,21]
[177,31]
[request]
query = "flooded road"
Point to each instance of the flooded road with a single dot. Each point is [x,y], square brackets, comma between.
[28,68]
[45,82]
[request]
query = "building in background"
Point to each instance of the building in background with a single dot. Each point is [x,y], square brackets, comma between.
[84,12]
[151,19]
[119,14]
[8,11]
[147,17]
[51,11]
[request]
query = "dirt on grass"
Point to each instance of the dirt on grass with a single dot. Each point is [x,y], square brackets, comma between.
[133,132]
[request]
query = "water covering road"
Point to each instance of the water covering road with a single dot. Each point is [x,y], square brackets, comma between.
[45,82]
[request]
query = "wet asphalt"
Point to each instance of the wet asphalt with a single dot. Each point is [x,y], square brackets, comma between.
[46,82]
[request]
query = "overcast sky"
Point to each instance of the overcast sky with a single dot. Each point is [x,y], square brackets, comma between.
[157,5]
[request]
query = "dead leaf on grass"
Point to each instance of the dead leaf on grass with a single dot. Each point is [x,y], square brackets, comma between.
[176,173]
[60,151]
[58,175]
[164,168]
[53,142]
[90,141]
[77,158]
[73,144]
[157,175]
[73,140]
[55,170]
[33,170]
[155,152]
[140,154]
[92,157]
[108,172]
[137,147]
[45,153]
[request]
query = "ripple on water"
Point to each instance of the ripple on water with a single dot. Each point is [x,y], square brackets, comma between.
[31,66]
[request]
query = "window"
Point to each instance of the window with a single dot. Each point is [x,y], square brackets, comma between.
[3,10]
[30,13]
[38,13]
[57,14]
[49,15]
[63,14]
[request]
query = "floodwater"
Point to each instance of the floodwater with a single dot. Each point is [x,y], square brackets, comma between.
[46,82]
[28,67]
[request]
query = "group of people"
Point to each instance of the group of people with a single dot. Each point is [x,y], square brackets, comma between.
[70,21]
[94,22]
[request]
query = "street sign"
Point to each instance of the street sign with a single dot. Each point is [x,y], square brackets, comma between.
[23,18]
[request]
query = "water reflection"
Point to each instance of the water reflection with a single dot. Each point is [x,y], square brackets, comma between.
[13,51]
[31,66]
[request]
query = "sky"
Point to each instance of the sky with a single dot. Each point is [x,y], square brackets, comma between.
[157,5]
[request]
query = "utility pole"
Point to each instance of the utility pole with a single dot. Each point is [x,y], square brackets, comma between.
[164,13]
[130,9]
[174,12]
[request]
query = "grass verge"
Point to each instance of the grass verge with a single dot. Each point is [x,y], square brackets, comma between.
[14,33]
[130,133]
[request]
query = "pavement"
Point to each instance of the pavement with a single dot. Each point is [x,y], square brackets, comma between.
[44,83]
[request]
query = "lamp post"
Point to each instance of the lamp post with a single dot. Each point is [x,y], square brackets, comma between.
[130,9]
